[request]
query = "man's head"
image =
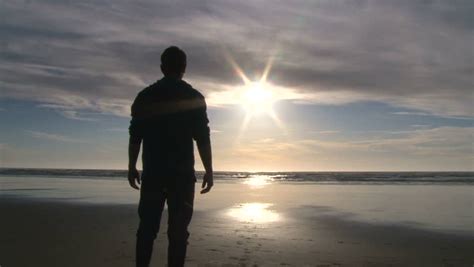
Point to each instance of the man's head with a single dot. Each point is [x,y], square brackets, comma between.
[173,62]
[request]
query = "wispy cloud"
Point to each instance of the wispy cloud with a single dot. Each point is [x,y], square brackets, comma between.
[327,132]
[442,148]
[54,137]
[98,55]
[417,113]
[411,113]
[117,130]
[75,115]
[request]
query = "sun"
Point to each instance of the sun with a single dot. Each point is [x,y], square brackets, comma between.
[258,99]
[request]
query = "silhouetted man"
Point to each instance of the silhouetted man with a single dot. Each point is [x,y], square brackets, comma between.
[167,116]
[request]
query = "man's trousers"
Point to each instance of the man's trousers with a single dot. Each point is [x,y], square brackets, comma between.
[180,201]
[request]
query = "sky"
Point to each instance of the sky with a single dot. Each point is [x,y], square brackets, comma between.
[348,85]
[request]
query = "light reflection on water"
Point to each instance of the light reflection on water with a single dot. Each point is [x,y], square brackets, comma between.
[258,181]
[255,212]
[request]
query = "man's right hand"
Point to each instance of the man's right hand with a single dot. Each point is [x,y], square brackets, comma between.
[133,178]
[207,182]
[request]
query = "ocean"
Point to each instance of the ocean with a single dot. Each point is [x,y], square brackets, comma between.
[312,177]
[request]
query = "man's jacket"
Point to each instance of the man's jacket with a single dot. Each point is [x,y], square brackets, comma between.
[167,116]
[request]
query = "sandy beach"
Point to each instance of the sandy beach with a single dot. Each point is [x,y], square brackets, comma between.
[253,224]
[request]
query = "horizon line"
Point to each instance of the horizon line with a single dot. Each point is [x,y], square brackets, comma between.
[246,171]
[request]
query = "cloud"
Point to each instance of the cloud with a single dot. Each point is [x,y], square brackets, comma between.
[54,137]
[417,113]
[442,148]
[443,142]
[121,130]
[327,132]
[95,56]
[75,115]
[411,113]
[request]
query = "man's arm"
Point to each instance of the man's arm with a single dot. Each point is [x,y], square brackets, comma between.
[136,136]
[133,151]
[205,152]
[202,136]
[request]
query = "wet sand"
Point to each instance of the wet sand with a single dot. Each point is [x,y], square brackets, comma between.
[44,232]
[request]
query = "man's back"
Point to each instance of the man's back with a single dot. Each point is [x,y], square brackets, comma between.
[167,116]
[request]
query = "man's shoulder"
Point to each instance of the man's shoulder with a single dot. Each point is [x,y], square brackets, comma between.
[192,91]
[195,98]
[148,89]
[196,94]
[182,88]
[186,86]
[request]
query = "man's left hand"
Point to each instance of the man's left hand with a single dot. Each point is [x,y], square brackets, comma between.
[133,178]
[207,182]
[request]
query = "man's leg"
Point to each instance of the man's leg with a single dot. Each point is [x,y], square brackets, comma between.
[150,209]
[180,210]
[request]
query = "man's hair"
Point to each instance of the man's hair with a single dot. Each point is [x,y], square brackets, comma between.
[173,60]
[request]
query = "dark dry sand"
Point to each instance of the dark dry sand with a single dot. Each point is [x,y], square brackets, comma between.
[55,233]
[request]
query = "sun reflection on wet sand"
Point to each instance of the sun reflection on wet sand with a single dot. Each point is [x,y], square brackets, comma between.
[254,212]
[258,181]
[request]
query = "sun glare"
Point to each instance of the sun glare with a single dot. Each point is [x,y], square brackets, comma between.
[258,99]
[258,181]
